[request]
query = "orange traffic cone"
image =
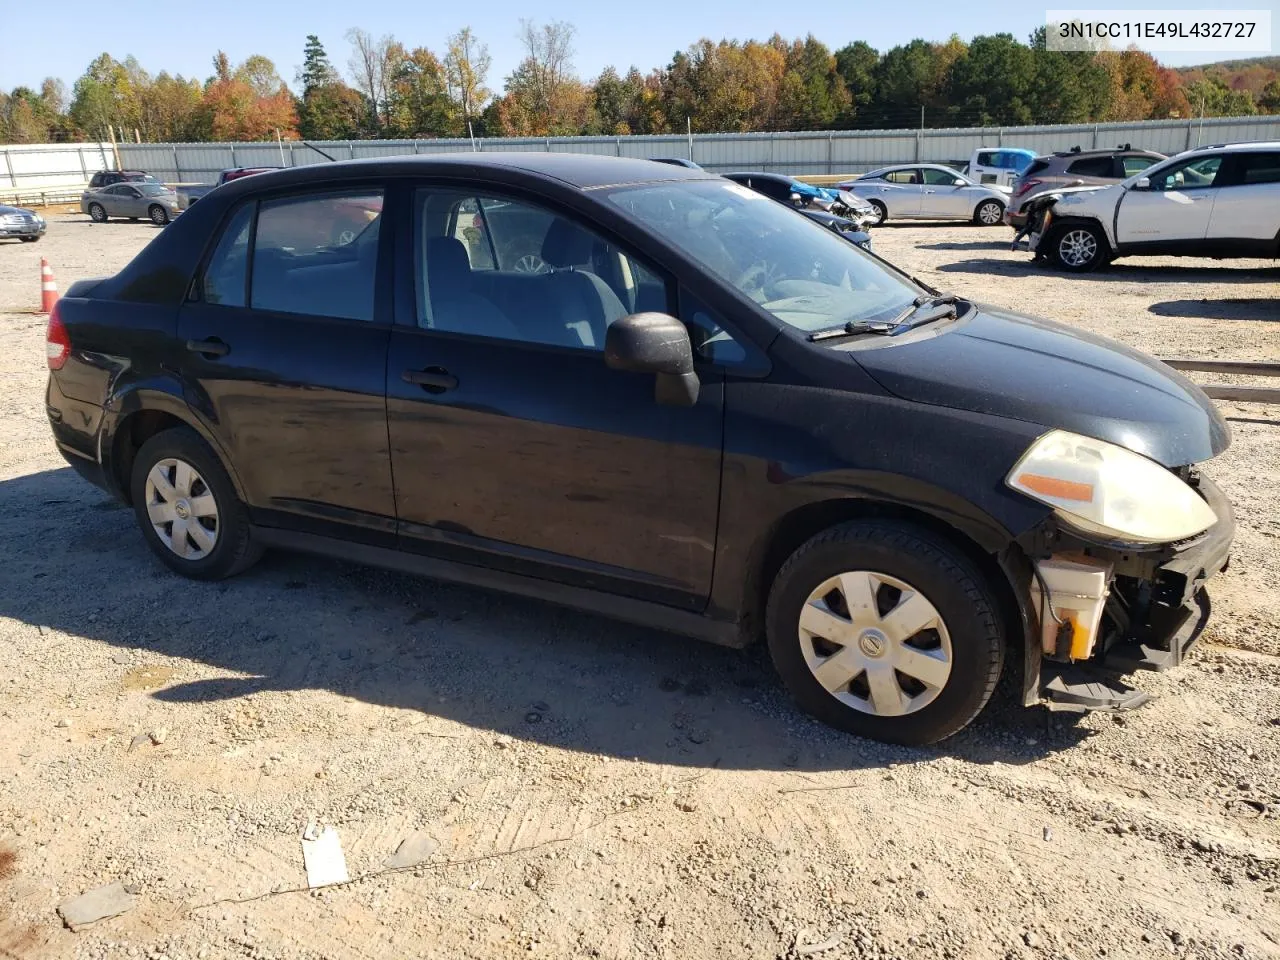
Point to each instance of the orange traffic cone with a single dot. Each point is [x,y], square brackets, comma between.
[48,287]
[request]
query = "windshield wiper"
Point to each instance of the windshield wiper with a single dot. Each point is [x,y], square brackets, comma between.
[924,309]
[851,328]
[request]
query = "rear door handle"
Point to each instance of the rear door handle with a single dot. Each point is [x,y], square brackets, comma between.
[211,347]
[432,379]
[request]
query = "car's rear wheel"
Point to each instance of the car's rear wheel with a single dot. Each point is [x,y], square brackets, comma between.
[158,214]
[881,214]
[97,213]
[885,630]
[1078,247]
[989,213]
[28,239]
[188,508]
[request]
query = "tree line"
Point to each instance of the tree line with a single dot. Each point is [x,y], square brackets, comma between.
[390,90]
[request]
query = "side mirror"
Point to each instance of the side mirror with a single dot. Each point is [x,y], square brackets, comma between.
[797,199]
[655,343]
[1143,183]
[957,182]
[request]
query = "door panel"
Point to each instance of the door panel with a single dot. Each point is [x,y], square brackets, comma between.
[1248,208]
[296,400]
[942,198]
[513,444]
[545,459]
[901,194]
[1178,206]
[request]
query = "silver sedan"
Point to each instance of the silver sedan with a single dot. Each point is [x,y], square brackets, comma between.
[154,201]
[927,191]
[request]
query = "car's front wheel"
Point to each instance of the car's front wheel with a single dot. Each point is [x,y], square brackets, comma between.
[885,630]
[97,213]
[188,508]
[989,213]
[1078,247]
[158,214]
[29,239]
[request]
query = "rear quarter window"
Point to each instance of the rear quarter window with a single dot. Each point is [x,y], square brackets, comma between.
[1259,168]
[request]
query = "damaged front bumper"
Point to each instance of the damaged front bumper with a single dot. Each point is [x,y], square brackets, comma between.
[1156,608]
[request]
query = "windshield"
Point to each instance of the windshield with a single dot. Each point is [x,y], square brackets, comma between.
[151,189]
[804,274]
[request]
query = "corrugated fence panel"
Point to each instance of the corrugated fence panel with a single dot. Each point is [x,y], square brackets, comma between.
[33,167]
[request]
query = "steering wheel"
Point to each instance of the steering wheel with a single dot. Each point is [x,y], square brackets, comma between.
[758,277]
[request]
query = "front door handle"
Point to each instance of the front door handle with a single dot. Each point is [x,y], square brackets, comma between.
[211,347]
[432,379]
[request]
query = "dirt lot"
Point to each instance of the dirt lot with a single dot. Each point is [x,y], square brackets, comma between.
[592,789]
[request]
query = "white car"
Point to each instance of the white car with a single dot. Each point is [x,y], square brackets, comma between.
[928,191]
[1220,201]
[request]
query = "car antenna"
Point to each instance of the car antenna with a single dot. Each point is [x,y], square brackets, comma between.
[319,151]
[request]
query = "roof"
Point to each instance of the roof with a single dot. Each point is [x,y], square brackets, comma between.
[1245,146]
[576,169]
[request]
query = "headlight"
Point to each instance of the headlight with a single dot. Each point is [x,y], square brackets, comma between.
[1100,487]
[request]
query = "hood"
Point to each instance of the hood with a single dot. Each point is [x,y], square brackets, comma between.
[1008,365]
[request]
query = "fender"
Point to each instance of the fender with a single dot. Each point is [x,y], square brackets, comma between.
[161,394]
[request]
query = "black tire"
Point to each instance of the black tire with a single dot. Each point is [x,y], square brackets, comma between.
[989,213]
[881,210]
[1065,245]
[97,213]
[158,214]
[931,566]
[234,549]
[28,239]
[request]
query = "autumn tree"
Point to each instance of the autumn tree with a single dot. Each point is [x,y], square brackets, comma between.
[466,66]
[100,97]
[328,109]
[812,93]
[370,69]
[543,96]
[418,103]
[232,109]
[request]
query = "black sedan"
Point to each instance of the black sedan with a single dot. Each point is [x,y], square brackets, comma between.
[706,414]
[21,224]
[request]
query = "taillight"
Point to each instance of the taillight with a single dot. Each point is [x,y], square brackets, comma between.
[57,345]
[1025,186]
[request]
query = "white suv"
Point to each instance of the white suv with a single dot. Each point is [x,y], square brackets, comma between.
[1219,201]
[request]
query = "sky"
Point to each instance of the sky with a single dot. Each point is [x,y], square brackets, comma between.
[182,39]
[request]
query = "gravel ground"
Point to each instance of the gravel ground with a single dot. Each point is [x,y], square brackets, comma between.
[586,789]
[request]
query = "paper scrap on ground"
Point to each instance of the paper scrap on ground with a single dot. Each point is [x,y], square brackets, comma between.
[322,856]
[109,901]
[413,849]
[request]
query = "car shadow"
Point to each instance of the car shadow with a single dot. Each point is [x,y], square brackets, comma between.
[1230,308]
[76,563]
[1113,273]
[966,245]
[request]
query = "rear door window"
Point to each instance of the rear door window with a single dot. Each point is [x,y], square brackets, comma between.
[903,176]
[317,254]
[1257,168]
[1093,167]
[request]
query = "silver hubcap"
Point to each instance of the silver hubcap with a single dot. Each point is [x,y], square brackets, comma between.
[182,510]
[875,643]
[530,263]
[96,213]
[1077,247]
[990,213]
[157,215]
[877,213]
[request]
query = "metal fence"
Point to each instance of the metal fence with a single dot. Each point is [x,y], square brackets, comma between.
[836,152]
